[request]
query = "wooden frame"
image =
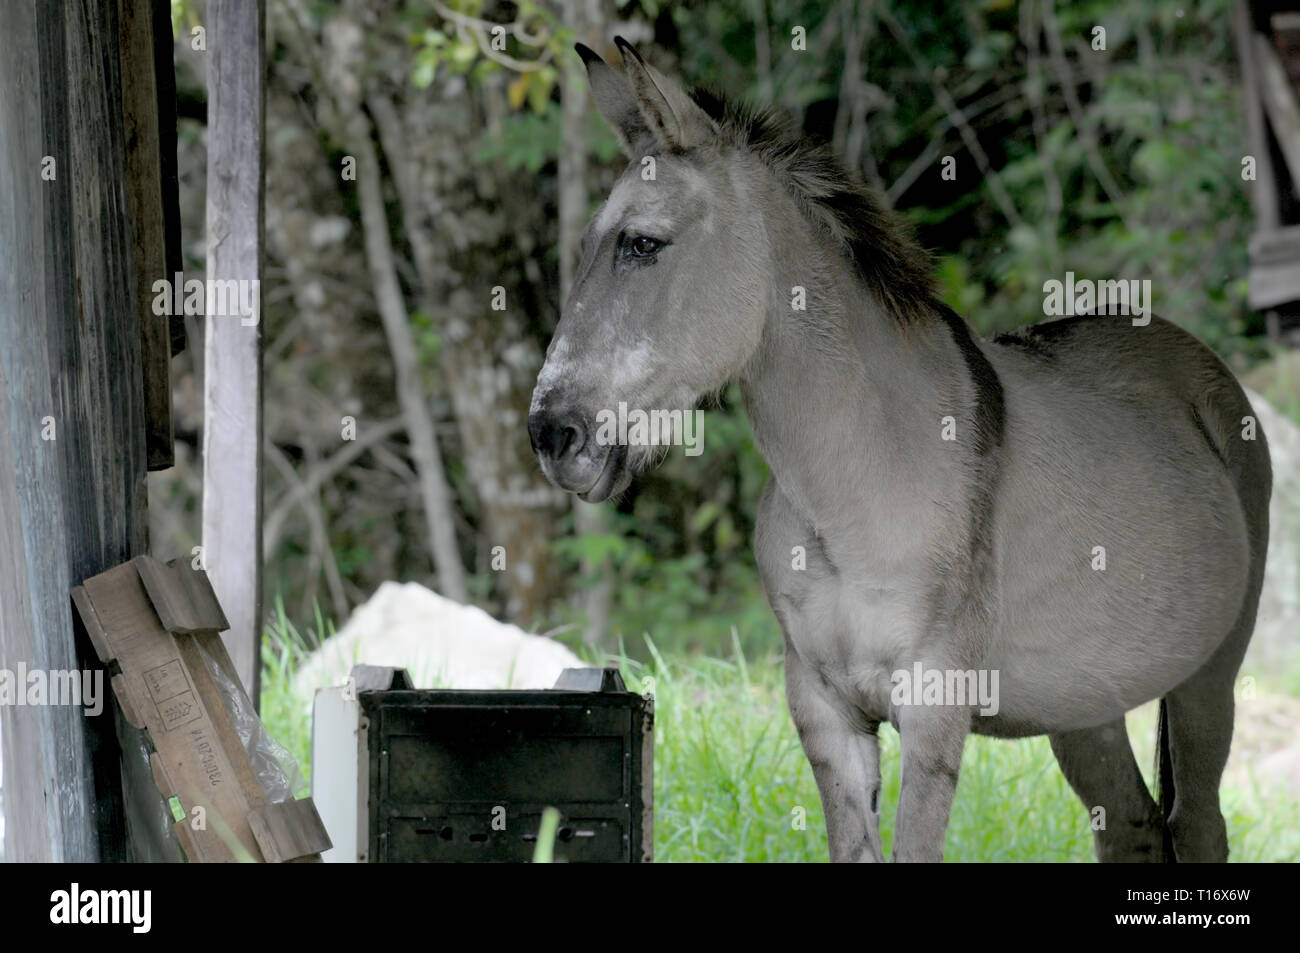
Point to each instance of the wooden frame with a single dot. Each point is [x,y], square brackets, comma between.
[1273,116]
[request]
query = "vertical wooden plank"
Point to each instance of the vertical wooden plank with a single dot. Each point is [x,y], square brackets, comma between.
[1280,105]
[144,190]
[232,379]
[165,81]
[1263,191]
[72,481]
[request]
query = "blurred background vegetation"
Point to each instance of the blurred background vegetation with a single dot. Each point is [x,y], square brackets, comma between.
[420,164]
[414,164]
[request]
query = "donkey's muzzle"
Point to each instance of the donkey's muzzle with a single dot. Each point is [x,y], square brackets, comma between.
[573,455]
[573,458]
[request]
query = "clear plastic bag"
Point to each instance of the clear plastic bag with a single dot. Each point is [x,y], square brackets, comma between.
[274,767]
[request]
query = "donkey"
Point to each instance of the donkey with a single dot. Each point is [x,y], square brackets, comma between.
[1074,507]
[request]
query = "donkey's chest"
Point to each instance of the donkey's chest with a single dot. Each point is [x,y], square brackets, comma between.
[856,636]
[853,617]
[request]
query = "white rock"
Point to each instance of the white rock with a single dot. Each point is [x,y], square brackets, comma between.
[441,643]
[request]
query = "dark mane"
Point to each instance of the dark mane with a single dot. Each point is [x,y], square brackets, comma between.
[880,244]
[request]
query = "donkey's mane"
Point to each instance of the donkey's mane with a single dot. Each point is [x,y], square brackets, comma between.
[875,238]
[878,242]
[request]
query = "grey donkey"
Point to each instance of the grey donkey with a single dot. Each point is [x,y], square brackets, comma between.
[1078,509]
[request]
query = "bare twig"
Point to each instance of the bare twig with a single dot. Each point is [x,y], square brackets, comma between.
[369,437]
[999,191]
[1046,155]
[394,464]
[917,166]
[1082,124]
[762,50]
[309,502]
[958,120]
[479,29]
[975,109]
[858,98]
[439,510]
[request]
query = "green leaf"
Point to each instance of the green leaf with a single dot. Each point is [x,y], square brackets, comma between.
[539,89]
[422,75]
[704,517]
[462,55]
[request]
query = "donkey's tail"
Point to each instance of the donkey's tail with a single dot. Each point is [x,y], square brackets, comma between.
[1165,778]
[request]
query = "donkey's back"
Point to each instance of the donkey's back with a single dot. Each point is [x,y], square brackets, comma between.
[1131,519]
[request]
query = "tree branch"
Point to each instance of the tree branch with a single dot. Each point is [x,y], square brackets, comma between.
[478,29]
[321,473]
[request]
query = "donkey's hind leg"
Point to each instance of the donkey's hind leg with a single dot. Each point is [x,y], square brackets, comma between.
[1200,714]
[1099,764]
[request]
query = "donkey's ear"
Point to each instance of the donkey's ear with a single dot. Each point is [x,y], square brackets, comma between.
[676,121]
[616,102]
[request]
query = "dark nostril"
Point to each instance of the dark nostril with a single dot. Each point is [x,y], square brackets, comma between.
[570,438]
[557,437]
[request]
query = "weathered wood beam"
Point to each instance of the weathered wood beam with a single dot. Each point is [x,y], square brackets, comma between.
[232,377]
[1279,103]
[1262,191]
[164,63]
[1274,277]
[72,439]
[144,191]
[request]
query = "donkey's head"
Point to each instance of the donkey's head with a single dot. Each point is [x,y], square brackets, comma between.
[667,304]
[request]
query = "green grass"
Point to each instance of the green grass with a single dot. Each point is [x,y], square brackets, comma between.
[731,781]
[730,776]
[286,716]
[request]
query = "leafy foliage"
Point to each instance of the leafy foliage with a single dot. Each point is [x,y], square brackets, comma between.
[1114,162]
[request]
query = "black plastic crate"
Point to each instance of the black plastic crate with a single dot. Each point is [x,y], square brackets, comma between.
[449,768]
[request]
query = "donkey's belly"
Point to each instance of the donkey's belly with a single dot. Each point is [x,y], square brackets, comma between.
[1080,647]
[1069,677]
[1119,574]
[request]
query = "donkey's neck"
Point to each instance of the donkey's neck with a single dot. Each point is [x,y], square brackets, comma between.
[847,406]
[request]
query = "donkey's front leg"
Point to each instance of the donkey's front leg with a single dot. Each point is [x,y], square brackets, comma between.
[845,758]
[931,739]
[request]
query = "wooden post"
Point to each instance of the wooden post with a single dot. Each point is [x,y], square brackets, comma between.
[1262,196]
[232,378]
[1280,104]
[145,191]
[165,84]
[72,432]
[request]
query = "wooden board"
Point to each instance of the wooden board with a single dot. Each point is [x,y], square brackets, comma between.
[1274,277]
[290,831]
[1279,98]
[159,625]
[144,192]
[1262,196]
[165,81]
[166,689]
[232,377]
[73,505]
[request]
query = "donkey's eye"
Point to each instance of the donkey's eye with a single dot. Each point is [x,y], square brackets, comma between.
[641,246]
